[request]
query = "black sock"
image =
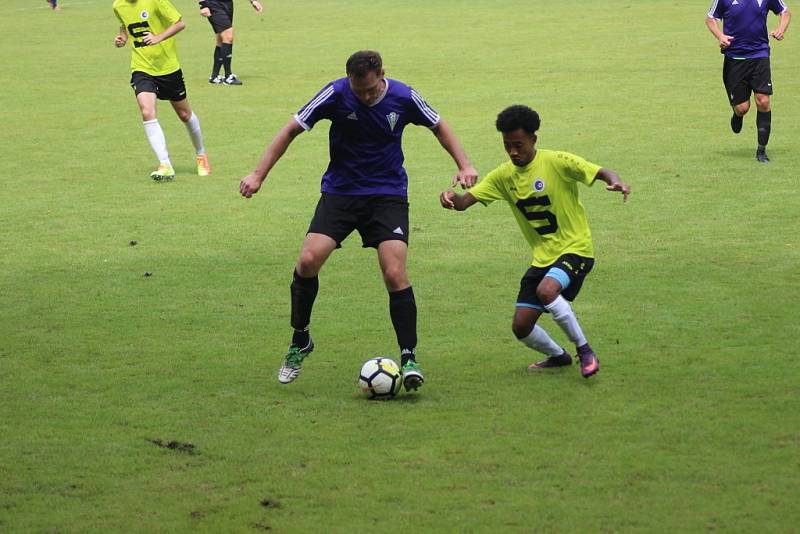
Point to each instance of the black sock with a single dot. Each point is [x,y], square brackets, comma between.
[226,53]
[403,311]
[217,62]
[304,292]
[300,338]
[764,125]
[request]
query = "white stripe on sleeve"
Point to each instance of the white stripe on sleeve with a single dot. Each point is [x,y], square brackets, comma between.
[424,108]
[303,114]
[713,8]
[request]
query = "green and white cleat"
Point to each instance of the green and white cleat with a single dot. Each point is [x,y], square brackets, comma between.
[293,363]
[412,375]
[164,173]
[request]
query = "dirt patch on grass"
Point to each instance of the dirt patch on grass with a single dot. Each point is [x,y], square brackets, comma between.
[177,446]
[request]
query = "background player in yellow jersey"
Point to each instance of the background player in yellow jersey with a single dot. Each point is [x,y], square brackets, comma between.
[540,186]
[156,73]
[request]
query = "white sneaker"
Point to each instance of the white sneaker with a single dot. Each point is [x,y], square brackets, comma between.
[293,363]
[232,80]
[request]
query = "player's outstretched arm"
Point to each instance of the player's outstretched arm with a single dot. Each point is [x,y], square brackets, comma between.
[152,39]
[121,38]
[467,175]
[613,183]
[251,183]
[786,17]
[450,200]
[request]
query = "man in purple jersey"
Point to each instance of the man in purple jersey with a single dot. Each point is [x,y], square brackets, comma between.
[364,188]
[746,69]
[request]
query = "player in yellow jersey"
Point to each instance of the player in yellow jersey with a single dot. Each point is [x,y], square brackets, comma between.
[541,187]
[156,74]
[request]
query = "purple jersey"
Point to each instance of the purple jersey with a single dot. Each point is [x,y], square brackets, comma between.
[746,22]
[365,141]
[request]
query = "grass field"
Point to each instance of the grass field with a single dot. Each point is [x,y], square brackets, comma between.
[692,424]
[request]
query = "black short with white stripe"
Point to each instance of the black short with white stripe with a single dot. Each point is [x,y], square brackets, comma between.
[377,218]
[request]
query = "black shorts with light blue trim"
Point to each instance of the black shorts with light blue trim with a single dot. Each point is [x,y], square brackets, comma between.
[569,270]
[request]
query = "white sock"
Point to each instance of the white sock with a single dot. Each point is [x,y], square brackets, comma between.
[155,135]
[541,341]
[193,127]
[565,318]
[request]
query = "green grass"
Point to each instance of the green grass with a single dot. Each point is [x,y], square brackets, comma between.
[691,424]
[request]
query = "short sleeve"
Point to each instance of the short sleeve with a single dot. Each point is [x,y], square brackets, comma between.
[715,11]
[421,113]
[778,6]
[490,188]
[318,108]
[168,11]
[575,168]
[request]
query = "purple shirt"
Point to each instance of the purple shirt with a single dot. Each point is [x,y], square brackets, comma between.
[365,141]
[746,22]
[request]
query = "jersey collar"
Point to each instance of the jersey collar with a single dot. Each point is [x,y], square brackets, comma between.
[383,94]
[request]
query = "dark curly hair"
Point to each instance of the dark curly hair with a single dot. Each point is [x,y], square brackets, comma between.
[515,117]
[362,62]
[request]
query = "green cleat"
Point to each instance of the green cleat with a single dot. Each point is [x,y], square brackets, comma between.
[164,173]
[412,375]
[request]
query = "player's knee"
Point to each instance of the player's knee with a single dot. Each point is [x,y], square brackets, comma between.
[521,327]
[148,114]
[308,264]
[395,278]
[547,293]
[762,102]
[741,109]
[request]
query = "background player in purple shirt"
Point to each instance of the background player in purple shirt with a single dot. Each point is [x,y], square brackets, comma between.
[364,188]
[745,43]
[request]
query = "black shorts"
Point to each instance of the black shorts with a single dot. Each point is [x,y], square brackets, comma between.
[377,218]
[167,87]
[743,76]
[570,270]
[221,15]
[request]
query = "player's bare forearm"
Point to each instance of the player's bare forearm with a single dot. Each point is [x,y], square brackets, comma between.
[151,39]
[613,182]
[250,184]
[451,200]
[467,175]
[277,147]
[713,27]
[786,18]
[121,38]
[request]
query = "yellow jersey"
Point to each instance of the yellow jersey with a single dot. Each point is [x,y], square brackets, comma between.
[153,16]
[543,196]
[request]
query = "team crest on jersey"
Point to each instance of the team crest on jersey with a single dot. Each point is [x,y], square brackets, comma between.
[538,185]
[392,118]
[145,14]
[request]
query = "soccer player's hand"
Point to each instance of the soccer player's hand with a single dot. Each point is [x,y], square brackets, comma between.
[149,39]
[777,35]
[119,41]
[256,5]
[622,187]
[250,185]
[205,12]
[725,41]
[446,199]
[466,177]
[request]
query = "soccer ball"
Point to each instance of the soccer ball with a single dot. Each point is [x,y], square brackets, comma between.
[380,378]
